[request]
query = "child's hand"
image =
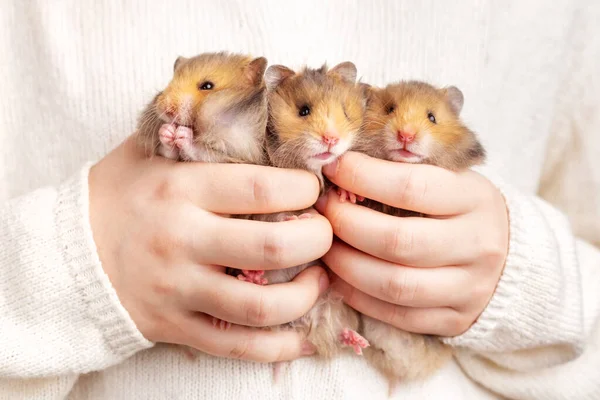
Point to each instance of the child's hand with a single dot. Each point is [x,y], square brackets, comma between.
[426,275]
[163,245]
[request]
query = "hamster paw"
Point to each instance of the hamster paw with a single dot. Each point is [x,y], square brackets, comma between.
[255,277]
[296,217]
[183,137]
[353,339]
[219,323]
[346,195]
[166,136]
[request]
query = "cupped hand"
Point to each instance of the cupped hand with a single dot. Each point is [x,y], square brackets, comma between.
[163,241]
[431,275]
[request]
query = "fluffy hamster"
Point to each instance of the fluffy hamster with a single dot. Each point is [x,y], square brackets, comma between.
[413,122]
[314,117]
[213,110]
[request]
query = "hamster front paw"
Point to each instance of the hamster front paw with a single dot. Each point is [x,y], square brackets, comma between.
[346,195]
[184,141]
[255,277]
[166,136]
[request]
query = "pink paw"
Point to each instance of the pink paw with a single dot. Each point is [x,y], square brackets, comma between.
[253,277]
[219,323]
[166,134]
[351,338]
[183,137]
[296,217]
[346,195]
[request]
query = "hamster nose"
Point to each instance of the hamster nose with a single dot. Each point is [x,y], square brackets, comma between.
[330,140]
[405,136]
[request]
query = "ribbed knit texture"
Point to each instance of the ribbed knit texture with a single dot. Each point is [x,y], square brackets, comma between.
[74,76]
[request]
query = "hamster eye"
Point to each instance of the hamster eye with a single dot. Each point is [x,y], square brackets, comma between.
[431,117]
[390,109]
[304,111]
[206,85]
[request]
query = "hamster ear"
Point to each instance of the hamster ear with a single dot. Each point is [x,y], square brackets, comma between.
[178,62]
[276,74]
[367,91]
[345,71]
[256,69]
[455,98]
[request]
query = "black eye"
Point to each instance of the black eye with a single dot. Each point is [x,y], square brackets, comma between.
[304,111]
[390,109]
[431,117]
[206,85]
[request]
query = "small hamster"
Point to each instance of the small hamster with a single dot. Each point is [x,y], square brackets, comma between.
[314,117]
[213,110]
[413,122]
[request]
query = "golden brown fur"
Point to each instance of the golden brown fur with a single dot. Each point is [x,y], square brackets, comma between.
[333,97]
[228,121]
[454,146]
[447,143]
[336,108]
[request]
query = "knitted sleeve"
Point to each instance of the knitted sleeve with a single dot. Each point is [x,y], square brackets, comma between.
[539,337]
[59,312]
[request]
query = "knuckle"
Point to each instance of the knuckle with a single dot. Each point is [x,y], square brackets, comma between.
[413,190]
[240,350]
[336,219]
[398,241]
[258,311]
[263,191]
[166,188]
[395,288]
[396,316]
[163,246]
[479,292]
[492,254]
[456,324]
[273,250]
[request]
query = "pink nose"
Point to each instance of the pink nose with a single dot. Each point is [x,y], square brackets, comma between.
[329,140]
[405,136]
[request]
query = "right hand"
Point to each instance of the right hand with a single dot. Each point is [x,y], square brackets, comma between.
[163,246]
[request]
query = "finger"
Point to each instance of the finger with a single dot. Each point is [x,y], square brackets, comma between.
[401,285]
[261,245]
[245,303]
[441,321]
[421,188]
[412,241]
[242,342]
[244,188]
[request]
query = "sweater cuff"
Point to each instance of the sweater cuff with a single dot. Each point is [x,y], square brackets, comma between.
[103,307]
[537,302]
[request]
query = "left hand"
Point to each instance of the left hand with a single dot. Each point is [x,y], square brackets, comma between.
[430,275]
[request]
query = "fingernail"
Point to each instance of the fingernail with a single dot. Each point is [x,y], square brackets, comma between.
[308,348]
[321,202]
[330,169]
[323,282]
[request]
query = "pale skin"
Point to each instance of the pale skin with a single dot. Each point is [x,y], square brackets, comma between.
[424,275]
[163,245]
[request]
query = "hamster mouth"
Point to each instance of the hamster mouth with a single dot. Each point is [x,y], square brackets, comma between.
[403,155]
[324,156]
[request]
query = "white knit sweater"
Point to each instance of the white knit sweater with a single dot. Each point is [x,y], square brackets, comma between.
[74,75]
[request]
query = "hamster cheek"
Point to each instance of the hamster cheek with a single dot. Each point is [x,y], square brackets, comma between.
[425,144]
